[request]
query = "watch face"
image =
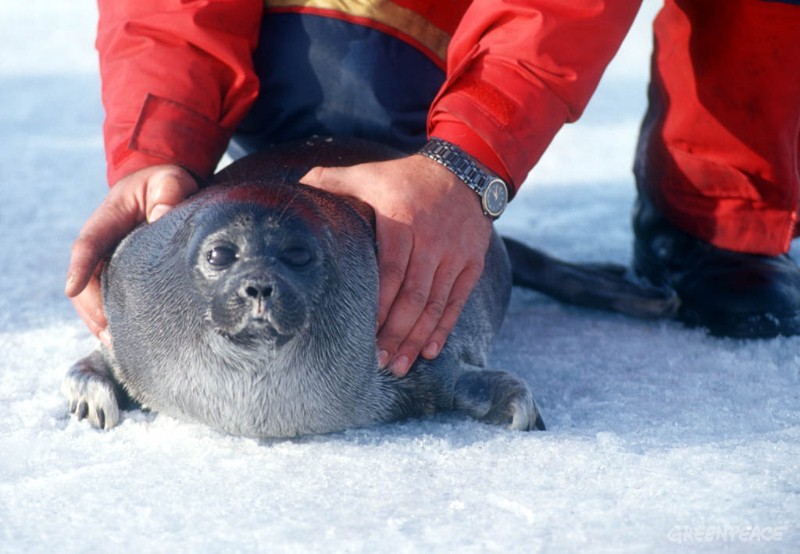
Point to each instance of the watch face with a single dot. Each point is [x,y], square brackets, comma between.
[495,198]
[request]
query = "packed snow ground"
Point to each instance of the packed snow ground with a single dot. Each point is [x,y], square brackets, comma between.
[659,437]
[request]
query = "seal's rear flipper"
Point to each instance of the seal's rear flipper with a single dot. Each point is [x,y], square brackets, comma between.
[498,398]
[602,286]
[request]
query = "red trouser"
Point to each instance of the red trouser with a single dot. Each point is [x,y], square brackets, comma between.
[719,149]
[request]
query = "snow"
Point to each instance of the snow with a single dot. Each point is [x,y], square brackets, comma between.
[659,437]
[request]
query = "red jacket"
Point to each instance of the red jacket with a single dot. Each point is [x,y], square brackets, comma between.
[178,75]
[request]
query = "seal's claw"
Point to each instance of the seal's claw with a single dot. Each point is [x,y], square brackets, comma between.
[526,416]
[499,398]
[539,423]
[91,393]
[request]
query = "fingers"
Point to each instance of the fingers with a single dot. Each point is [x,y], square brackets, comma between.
[85,255]
[403,310]
[101,232]
[89,306]
[432,239]
[459,294]
[423,315]
[142,196]
[321,177]
[166,189]
[395,243]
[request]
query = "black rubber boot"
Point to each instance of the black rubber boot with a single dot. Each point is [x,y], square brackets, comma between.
[730,293]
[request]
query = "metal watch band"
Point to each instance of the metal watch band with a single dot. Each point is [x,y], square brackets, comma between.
[463,167]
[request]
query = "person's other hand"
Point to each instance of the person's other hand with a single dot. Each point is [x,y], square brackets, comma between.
[432,238]
[144,195]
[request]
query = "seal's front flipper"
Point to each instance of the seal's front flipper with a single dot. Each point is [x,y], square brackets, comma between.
[92,392]
[602,286]
[497,397]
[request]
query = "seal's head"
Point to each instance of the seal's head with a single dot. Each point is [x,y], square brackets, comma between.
[251,298]
[258,266]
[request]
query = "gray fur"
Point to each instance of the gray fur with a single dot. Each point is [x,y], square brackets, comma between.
[280,343]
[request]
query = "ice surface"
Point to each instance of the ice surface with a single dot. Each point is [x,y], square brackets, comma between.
[659,437]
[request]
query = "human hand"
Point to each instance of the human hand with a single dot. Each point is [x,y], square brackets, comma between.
[432,238]
[144,195]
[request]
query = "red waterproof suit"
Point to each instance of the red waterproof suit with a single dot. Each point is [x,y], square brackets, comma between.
[516,71]
[720,144]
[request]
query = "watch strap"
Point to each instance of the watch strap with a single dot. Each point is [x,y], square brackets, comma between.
[462,165]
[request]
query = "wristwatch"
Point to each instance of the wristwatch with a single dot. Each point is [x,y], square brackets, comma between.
[492,190]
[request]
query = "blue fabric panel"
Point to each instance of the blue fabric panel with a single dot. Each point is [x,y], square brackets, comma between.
[325,76]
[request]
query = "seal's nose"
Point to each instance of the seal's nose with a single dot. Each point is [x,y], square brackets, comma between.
[256,289]
[257,294]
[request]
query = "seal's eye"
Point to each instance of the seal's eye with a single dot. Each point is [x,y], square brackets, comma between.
[296,257]
[221,256]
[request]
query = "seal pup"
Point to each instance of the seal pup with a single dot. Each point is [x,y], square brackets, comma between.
[251,307]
